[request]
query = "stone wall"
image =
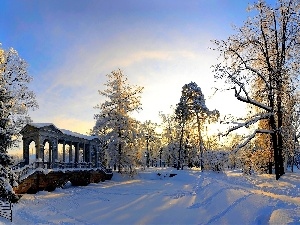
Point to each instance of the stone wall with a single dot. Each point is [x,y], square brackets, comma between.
[38,181]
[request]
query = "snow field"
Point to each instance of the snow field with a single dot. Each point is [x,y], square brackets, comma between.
[190,197]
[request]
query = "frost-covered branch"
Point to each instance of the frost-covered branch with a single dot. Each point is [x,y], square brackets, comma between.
[250,68]
[249,138]
[247,99]
[249,122]
[252,102]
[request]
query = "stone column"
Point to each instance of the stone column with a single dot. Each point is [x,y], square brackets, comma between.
[39,151]
[90,153]
[70,153]
[39,155]
[97,157]
[64,151]
[55,152]
[25,151]
[50,152]
[100,154]
[83,153]
[77,152]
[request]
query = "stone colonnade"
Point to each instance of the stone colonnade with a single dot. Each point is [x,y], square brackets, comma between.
[41,133]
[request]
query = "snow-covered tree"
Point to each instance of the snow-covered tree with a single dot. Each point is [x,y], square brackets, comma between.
[192,105]
[15,101]
[263,142]
[169,137]
[183,115]
[265,47]
[114,117]
[215,160]
[290,126]
[151,142]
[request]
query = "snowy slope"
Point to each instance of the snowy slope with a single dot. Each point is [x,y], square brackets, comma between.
[190,197]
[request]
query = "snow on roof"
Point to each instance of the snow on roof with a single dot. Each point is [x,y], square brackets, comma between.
[75,134]
[64,131]
[40,125]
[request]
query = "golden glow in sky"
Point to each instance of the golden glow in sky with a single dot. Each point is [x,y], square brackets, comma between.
[161,45]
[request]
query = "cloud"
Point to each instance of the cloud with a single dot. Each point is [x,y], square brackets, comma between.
[160,59]
[73,124]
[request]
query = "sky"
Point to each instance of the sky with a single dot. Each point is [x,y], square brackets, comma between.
[70,46]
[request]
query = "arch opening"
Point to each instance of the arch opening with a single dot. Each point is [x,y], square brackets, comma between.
[32,151]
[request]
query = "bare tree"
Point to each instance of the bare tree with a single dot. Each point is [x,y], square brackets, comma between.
[265,47]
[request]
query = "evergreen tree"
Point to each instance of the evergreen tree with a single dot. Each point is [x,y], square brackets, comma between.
[15,101]
[192,105]
[114,117]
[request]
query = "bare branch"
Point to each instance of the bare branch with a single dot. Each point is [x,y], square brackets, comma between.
[249,122]
[249,67]
[252,102]
[266,52]
[248,99]
[258,131]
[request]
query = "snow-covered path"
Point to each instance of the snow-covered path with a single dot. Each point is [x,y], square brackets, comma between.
[190,197]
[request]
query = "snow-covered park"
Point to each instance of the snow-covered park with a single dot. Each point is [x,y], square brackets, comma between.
[153,197]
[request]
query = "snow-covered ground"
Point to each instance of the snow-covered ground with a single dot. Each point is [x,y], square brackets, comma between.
[190,197]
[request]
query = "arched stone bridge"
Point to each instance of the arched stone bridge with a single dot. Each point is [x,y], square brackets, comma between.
[80,163]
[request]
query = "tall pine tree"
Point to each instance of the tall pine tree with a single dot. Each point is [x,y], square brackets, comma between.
[192,105]
[114,117]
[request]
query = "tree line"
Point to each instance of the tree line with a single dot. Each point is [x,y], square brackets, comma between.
[260,63]
[128,143]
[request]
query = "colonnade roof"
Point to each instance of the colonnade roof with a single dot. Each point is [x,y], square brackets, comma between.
[51,126]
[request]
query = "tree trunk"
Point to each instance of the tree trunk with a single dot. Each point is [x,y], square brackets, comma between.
[275,146]
[200,142]
[274,134]
[279,120]
[119,151]
[180,147]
